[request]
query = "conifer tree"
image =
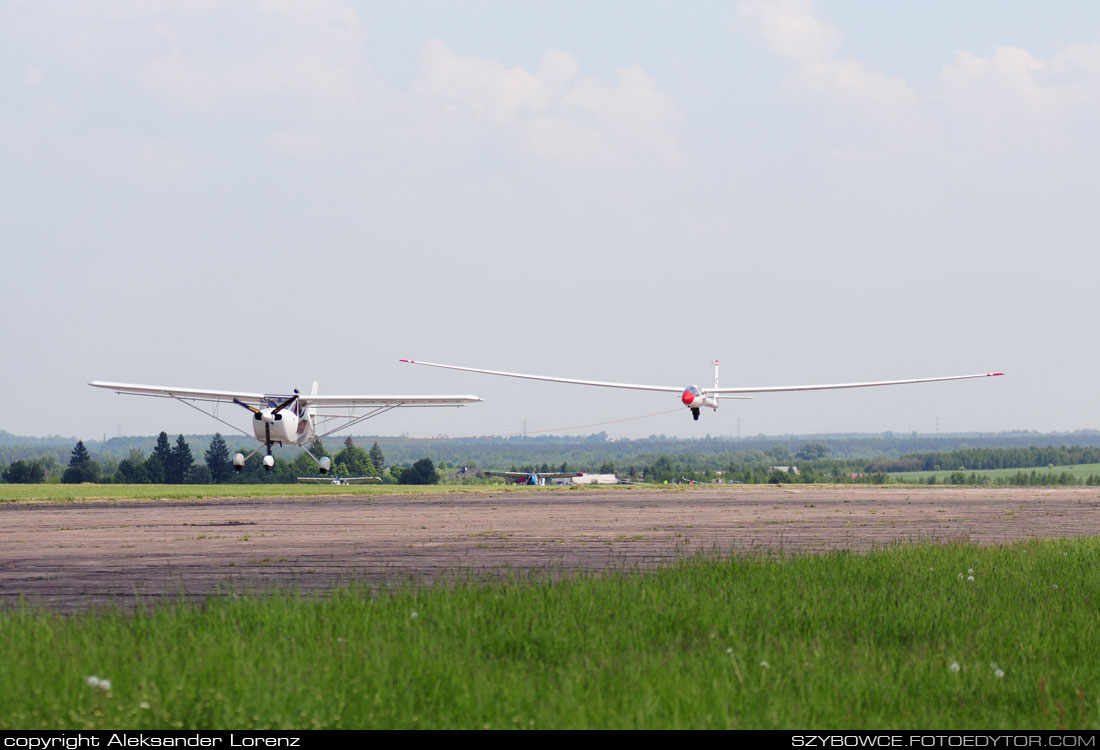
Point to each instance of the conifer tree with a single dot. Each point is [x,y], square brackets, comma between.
[179,462]
[80,455]
[217,459]
[81,466]
[377,458]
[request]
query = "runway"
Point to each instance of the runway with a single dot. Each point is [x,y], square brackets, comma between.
[74,555]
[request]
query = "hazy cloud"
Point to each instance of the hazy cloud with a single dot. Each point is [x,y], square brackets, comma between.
[300,50]
[554,112]
[1015,99]
[792,32]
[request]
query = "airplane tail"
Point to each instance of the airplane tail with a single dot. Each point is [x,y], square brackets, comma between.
[312,412]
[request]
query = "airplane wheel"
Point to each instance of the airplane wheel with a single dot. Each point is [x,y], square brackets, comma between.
[695,414]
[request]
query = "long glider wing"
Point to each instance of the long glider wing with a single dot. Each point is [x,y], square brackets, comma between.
[633,386]
[726,392]
[835,386]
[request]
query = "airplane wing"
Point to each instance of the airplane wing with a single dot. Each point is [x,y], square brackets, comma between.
[200,394]
[517,474]
[835,386]
[560,474]
[353,401]
[633,386]
[193,394]
[721,392]
[340,480]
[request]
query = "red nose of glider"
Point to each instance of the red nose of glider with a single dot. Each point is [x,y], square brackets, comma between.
[687,398]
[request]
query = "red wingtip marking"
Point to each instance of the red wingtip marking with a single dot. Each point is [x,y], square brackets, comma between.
[995,373]
[409,361]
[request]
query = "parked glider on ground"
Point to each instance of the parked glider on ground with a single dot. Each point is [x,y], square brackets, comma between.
[695,397]
[289,419]
[340,480]
[537,478]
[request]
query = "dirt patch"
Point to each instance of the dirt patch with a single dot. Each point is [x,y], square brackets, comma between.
[73,555]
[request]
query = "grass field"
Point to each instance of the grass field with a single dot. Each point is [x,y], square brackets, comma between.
[1080,472]
[899,638]
[23,492]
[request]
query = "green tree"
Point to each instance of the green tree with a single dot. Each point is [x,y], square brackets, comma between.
[781,454]
[81,466]
[157,465]
[377,458]
[131,470]
[179,462]
[198,474]
[421,472]
[154,469]
[24,472]
[217,460]
[813,451]
[353,461]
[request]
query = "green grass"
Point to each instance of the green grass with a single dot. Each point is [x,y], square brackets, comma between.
[1080,472]
[849,641]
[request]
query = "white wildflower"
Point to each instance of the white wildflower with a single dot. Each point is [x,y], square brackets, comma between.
[98,682]
[970,578]
[998,673]
[414,615]
[954,666]
[970,571]
[960,576]
[1056,587]
[764,665]
[729,651]
[144,705]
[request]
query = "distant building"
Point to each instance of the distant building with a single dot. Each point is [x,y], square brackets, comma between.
[787,469]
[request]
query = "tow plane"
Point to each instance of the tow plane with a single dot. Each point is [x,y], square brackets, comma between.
[288,418]
[695,397]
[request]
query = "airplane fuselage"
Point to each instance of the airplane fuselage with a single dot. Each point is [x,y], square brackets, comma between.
[282,428]
[695,397]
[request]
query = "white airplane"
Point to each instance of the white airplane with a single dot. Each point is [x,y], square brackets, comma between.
[340,480]
[289,419]
[695,397]
[534,478]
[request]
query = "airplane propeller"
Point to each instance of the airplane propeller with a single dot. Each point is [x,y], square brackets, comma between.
[269,461]
[252,409]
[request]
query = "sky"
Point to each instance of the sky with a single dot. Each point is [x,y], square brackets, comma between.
[259,194]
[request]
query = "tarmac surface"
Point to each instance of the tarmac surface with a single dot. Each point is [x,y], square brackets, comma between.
[74,555]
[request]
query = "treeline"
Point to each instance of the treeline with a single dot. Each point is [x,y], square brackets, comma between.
[987,458]
[591,450]
[174,464]
[1019,479]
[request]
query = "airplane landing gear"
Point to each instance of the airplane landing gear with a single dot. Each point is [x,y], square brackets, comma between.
[695,414]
